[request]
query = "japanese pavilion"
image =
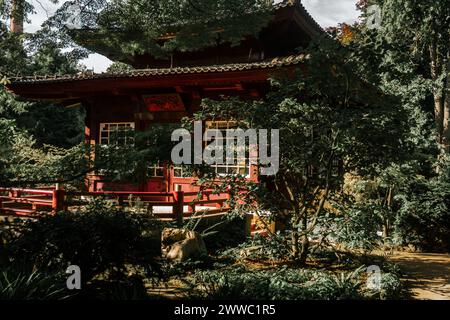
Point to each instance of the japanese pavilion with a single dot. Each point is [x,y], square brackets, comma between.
[165,91]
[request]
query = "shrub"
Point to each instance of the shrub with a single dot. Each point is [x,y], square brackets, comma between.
[288,284]
[16,284]
[261,248]
[342,286]
[100,239]
[126,289]
[358,228]
[424,216]
[224,233]
[391,287]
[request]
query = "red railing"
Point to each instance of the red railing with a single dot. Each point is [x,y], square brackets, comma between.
[34,202]
[30,202]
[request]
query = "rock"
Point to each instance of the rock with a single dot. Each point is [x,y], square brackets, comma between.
[246,252]
[181,245]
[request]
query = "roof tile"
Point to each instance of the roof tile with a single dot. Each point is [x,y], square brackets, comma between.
[275,63]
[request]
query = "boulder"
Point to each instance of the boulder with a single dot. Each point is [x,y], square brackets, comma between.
[181,245]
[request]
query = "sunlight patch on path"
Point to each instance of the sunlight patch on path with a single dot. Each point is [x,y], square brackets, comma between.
[428,274]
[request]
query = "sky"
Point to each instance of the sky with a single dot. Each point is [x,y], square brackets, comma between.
[326,12]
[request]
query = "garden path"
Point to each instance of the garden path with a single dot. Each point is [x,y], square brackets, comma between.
[427,273]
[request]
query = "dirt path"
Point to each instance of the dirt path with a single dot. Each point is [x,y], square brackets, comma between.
[427,273]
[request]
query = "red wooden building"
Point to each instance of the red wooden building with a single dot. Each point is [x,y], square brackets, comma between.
[167,90]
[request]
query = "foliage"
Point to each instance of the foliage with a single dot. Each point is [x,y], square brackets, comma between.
[119,67]
[288,284]
[331,123]
[130,162]
[358,227]
[26,127]
[139,26]
[391,287]
[25,285]
[295,284]
[260,248]
[53,125]
[127,289]
[423,217]
[409,53]
[226,233]
[23,163]
[97,240]
[406,57]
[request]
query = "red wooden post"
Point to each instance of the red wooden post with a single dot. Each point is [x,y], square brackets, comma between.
[13,194]
[178,208]
[227,204]
[249,226]
[120,201]
[58,198]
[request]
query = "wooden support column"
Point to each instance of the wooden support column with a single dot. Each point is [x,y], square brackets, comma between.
[90,140]
[178,208]
[58,199]
[227,204]
[248,224]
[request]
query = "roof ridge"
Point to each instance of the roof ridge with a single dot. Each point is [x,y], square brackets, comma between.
[273,63]
[266,61]
[301,6]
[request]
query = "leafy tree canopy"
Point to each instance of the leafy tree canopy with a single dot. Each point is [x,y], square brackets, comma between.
[162,27]
[411,46]
[331,123]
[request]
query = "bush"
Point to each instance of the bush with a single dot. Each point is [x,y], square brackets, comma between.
[424,216]
[98,240]
[26,285]
[261,248]
[224,232]
[126,289]
[391,287]
[358,228]
[343,286]
[288,284]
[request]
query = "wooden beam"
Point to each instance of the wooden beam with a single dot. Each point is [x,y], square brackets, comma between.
[79,89]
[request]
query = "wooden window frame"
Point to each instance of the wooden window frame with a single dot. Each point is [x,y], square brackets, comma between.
[246,167]
[128,125]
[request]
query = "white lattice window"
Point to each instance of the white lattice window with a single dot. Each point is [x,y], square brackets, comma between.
[239,166]
[156,170]
[120,133]
[180,172]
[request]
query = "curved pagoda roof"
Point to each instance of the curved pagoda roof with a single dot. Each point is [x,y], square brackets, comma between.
[292,28]
[254,61]
[78,86]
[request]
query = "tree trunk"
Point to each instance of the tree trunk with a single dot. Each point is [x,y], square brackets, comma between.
[17,16]
[436,69]
[439,116]
[295,245]
[305,241]
[446,111]
[295,236]
[386,217]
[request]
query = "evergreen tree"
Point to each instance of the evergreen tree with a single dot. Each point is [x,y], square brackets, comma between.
[163,27]
[26,127]
[414,35]
[331,123]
